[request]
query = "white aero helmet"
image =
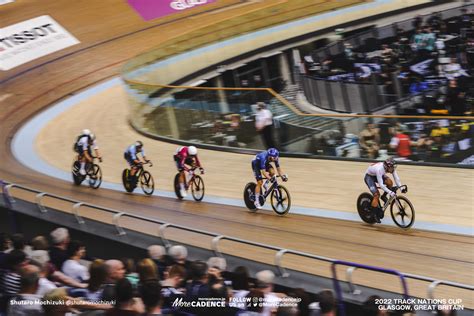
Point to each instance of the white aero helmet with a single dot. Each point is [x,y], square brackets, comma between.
[86,132]
[92,136]
[192,151]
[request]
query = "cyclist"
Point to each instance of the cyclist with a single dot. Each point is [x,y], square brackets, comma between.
[83,146]
[133,160]
[377,173]
[186,156]
[262,168]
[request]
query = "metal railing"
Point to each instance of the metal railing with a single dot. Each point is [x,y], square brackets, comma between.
[214,246]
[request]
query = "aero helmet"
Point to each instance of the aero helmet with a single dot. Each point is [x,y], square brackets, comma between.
[192,151]
[273,152]
[390,164]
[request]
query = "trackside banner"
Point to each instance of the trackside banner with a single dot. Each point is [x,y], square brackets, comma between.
[152,9]
[32,39]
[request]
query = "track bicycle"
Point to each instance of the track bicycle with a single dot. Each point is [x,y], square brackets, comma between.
[93,172]
[193,182]
[401,209]
[280,199]
[144,178]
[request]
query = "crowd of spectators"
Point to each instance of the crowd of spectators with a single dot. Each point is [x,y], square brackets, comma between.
[432,65]
[441,141]
[38,279]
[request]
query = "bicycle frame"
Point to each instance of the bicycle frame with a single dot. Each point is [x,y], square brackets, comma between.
[394,197]
[270,188]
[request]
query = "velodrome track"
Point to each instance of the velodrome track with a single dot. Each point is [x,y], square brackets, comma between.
[27,90]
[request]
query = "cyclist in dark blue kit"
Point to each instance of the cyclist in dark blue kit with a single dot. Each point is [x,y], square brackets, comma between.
[262,168]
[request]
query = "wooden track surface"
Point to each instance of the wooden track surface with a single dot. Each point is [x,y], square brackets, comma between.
[443,256]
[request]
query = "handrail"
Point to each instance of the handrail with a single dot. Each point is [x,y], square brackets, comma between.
[280,252]
[337,287]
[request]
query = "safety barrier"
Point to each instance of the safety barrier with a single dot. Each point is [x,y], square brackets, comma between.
[280,252]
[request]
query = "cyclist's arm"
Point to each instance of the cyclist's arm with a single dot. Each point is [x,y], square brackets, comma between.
[86,155]
[265,173]
[397,179]
[381,184]
[198,163]
[97,153]
[279,171]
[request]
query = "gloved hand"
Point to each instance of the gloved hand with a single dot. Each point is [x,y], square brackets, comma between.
[100,159]
[404,190]
[272,179]
[284,177]
[391,193]
[202,170]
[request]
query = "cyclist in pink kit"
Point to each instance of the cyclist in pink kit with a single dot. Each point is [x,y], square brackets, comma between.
[186,156]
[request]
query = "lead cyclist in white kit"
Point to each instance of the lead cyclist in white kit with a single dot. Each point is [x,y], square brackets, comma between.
[377,173]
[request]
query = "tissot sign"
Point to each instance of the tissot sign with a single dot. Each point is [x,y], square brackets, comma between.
[32,39]
[152,9]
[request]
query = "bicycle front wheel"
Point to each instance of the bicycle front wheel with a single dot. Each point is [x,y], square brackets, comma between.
[280,200]
[403,212]
[197,188]
[147,183]
[95,176]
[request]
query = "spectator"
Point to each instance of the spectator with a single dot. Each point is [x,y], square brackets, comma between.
[305,300]
[287,311]
[41,262]
[18,243]
[150,294]
[40,243]
[216,266]
[178,255]
[158,255]
[98,276]
[63,306]
[369,140]
[4,247]
[198,287]
[253,309]
[264,125]
[115,273]
[147,271]
[401,142]
[125,303]
[171,285]
[327,303]
[240,282]
[72,267]
[371,308]
[30,276]
[264,283]
[58,253]
[131,272]
[16,260]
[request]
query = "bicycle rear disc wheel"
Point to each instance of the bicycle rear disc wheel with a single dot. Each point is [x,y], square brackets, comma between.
[403,212]
[147,183]
[197,188]
[249,196]
[125,182]
[95,176]
[280,200]
[177,187]
[363,208]
[76,176]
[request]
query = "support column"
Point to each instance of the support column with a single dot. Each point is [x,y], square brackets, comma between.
[284,68]
[223,104]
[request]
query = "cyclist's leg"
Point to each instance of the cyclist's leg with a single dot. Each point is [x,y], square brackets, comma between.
[258,188]
[371,181]
[82,161]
